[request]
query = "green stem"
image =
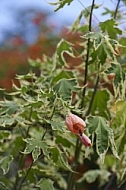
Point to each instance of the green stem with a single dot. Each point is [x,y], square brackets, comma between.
[94,93]
[74,165]
[24,178]
[71,180]
[116,10]
[87,56]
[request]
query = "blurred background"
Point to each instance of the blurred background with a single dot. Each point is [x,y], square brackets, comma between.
[31,28]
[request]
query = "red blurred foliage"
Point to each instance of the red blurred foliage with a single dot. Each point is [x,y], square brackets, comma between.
[15,52]
[39,18]
[14,57]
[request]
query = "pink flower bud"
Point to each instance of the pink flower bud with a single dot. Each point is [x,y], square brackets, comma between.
[75,124]
[85,140]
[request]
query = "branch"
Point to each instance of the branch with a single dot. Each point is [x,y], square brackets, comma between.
[6,128]
[71,179]
[24,178]
[116,10]
[10,128]
[87,56]
[93,96]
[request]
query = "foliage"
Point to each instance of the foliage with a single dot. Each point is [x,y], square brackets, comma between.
[37,150]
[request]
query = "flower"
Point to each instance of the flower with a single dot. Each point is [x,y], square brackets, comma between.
[76,125]
[85,140]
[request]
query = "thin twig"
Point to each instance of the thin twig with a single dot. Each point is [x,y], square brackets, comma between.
[24,178]
[71,180]
[9,128]
[87,56]
[6,128]
[116,10]
[93,96]
[74,165]
[88,11]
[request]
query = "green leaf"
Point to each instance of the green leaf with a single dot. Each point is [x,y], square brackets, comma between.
[104,136]
[96,37]
[4,135]
[65,140]
[92,175]
[119,80]
[100,54]
[112,143]
[63,162]
[35,63]
[119,77]
[5,163]
[7,120]
[59,159]
[9,107]
[58,126]
[61,3]
[65,87]
[63,47]
[100,103]
[92,124]
[102,140]
[119,123]
[110,26]
[63,74]
[45,184]
[34,146]
[103,47]
[3,186]
[103,52]
[35,153]
[54,154]
[84,13]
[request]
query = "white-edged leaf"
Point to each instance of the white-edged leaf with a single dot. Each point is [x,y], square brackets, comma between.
[63,47]
[45,184]
[5,163]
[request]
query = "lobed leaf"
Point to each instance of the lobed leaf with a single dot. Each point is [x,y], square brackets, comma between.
[5,163]
[45,184]
[63,47]
[3,186]
[59,158]
[104,136]
[110,26]
[34,146]
[8,107]
[92,175]
[102,140]
[58,126]
[119,123]
[65,87]
[63,74]
[100,103]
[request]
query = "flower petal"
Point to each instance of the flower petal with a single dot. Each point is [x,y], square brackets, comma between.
[69,123]
[85,140]
[77,120]
[75,124]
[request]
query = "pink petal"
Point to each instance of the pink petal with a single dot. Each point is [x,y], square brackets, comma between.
[77,120]
[75,124]
[69,123]
[85,140]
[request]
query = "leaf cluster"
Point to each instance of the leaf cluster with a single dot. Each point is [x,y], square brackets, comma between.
[37,150]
